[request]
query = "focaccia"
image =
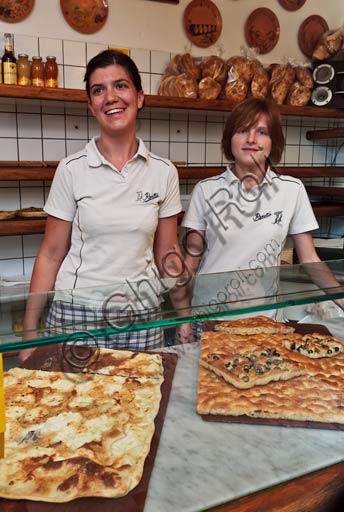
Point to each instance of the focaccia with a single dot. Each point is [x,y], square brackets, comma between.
[315,396]
[253,368]
[68,438]
[254,325]
[315,345]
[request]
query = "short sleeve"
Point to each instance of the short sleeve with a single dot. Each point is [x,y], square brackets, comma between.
[194,217]
[61,202]
[171,204]
[303,219]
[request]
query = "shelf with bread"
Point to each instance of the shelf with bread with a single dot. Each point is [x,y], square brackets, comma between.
[334,133]
[331,206]
[170,102]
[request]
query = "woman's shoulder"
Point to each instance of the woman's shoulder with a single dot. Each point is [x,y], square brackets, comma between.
[159,161]
[75,159]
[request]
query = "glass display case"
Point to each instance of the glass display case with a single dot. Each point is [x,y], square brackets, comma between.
[214,297]
[201,464]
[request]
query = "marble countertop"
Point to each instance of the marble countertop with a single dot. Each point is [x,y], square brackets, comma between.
[200,464]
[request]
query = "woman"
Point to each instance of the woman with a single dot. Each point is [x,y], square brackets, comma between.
[112,218]
[239,220]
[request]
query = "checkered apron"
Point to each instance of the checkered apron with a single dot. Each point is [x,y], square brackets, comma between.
[67,318]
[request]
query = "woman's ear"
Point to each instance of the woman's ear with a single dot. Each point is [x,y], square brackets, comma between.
[140,99]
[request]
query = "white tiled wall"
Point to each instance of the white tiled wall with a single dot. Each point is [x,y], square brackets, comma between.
[30,130]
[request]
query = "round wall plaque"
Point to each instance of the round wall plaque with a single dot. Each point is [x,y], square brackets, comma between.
[202,22]
[292,5]
[13,11]
[85,16]
[311,29]
[262,30]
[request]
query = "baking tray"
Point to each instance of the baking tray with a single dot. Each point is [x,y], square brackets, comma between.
[50,358]
[302,329]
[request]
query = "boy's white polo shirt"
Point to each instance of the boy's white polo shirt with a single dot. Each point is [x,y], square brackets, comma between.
[246,231]
[114,216]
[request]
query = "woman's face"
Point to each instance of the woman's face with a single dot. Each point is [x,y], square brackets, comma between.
[252,144]
[114,100]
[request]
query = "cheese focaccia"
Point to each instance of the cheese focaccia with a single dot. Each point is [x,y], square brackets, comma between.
[67,439]
[314,345]
[254,325]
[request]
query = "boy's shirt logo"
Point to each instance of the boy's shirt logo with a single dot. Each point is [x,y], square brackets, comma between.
[261,216]
[145,197]
[277,219]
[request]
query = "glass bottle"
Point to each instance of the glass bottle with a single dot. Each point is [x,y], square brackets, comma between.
[23,69]
[51,72]
[9,62]
[37,72]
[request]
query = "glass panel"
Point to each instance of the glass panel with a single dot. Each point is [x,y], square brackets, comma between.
[133,306]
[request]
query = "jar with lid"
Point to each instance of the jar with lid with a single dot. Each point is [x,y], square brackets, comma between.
[51,72]
[23,69]
[9,62]
[37,72]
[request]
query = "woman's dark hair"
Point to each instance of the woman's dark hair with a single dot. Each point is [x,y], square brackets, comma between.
[245,115]
[107,58]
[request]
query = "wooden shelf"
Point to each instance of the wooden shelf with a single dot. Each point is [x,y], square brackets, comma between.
[79,95]
[328,209]
[325,191]
[26,173]
[22,226]
[8,173]
[201,173]
[334,133]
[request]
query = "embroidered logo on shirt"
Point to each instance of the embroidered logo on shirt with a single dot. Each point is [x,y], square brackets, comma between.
[261,216]
[278,217]
[145,197]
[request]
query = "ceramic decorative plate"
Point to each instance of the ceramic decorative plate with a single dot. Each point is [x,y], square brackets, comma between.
[262,30]
[12,11]
[202,22]
[292,5]
[309,32]
[86,16]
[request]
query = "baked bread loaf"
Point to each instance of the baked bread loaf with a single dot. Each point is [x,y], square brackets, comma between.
[298,95]
[279,90]
[315,345]
[7,214]
[208,88]
[254,367]
[284,72]
[189,67]
[31,211]
[254,325]
[215,68]
[304,76]
[236,91]
[241,67]
[314,396]
[185,87]
[178,85]
[73,435]
[174,67]
[260,84]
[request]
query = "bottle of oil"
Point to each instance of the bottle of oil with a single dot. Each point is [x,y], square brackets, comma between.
[9,62]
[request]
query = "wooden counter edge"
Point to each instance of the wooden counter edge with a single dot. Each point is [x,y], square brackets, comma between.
[319,491]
